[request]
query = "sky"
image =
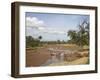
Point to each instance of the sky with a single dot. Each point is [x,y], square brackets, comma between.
[52,26]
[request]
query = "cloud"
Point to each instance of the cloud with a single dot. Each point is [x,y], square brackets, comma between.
[34,22]
[52,31]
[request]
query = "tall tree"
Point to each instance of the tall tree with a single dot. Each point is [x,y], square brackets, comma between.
[73,36]
[31,42]
[81,36]
[40,37]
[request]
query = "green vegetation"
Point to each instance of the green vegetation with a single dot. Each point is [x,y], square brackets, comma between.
[31,42]
[80,36]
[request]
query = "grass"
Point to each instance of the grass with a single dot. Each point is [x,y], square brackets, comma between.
[79,61]
[31,51]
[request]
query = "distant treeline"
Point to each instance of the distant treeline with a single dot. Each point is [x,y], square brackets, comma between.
[33,42]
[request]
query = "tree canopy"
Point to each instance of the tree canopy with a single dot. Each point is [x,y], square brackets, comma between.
[80,36]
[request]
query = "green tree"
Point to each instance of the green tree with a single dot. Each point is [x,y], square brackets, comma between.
[40,43]
[40,37]
[83,34]
[73,36]
[80,36]
[31,42]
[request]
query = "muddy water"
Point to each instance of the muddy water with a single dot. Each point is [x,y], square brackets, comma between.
[56,56]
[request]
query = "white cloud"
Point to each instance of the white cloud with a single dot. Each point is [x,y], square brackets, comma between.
[34,22]
[52,31]
[41,28]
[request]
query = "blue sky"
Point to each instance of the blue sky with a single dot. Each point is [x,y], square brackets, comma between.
[52,27]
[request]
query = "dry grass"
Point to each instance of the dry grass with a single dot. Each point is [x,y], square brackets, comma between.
[83,60]
[39,55]
[84,53]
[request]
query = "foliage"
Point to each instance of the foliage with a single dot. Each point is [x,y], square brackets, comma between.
[40,37]
[80,36]
[31,42]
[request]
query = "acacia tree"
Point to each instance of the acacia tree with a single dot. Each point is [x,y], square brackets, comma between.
[31,42]
[73,36]
[81,36]
[40,43]
[40,37]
